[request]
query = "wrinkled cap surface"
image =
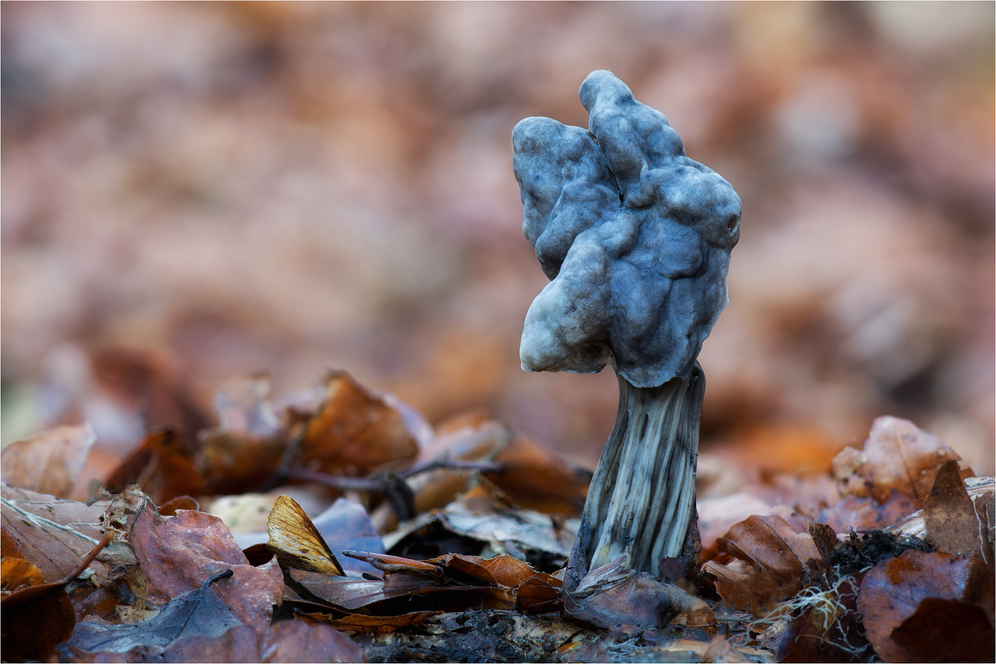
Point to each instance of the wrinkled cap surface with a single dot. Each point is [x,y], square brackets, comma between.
[634,236]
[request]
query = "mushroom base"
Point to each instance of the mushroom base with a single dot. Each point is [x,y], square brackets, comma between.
[641,500]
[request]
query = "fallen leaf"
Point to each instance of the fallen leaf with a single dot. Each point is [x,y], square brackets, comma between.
[198,616]
[56,548]
[538,480]
[246,447]
[946,630]
[823,626]
[302,640]
[49,462]
[355,431]
[894,592]
[952,524]
[296,542]
[896,456]
[38,616]
[854,513]
[613,596]
[178,553]
[771,561]
[16,572]
[161,466]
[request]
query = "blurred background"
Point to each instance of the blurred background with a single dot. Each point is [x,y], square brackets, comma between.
[193,191]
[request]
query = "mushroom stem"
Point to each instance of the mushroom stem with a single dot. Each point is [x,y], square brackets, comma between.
[641,500]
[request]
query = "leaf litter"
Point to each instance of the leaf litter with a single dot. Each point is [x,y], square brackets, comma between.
[414,544]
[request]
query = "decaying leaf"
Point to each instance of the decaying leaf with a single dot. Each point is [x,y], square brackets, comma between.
[819,625]
[952,523]
[614,596]
[302,640]
[896,456]
[178,553]
[245,448]
[49,462]
[485,518]
[893,602]
[296,542]
[449,583]
[37,616]
[854,513]
[161,466]
[56,548]
[537,480]
[196,625]
[355,431]
[771,561]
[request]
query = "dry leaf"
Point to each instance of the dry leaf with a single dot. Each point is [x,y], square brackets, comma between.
[49,462]
[771,561]
[296,542]
[895,590]
[538,480]
[39,616]
[302,640]
[195,626]
[896,456]
[245,448]
[952,524]
[161,467]
[355,431]
[177,553]
[614,596]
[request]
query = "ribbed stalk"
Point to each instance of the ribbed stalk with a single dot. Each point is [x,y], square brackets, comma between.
[641,500]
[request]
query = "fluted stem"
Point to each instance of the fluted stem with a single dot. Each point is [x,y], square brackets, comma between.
[641,500]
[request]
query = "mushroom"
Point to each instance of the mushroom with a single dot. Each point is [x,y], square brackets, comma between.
[635,238]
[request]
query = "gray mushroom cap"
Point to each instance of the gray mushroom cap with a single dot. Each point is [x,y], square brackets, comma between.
[634,235]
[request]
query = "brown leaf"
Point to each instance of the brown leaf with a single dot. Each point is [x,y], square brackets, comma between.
[151,382]
[296,542]
[38,616]
[355,431]
[946,630]
[356,622]
[178,553]
[246,447]
[161,467]
[952,524]
[17,572]
[771,562]
[896,456]
[614,596]
[539,480]
[822,627]
[302,640]
[55,547]
[894,591]
[195,626]
[452,582]
[859,514]
[50,462]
